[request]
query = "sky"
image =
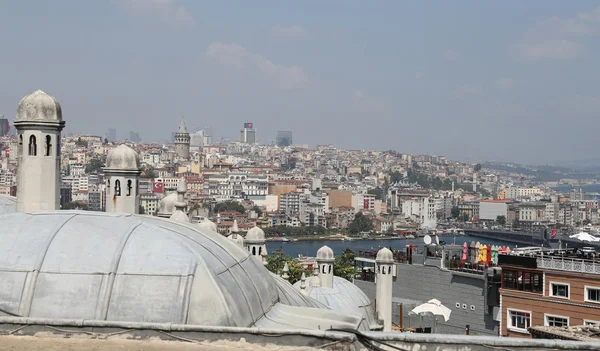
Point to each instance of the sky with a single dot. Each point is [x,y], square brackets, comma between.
[472,80]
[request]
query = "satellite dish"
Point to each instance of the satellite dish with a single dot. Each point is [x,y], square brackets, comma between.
[437,240]
[427,239]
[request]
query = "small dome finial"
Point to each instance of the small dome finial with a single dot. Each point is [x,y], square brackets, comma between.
[286,271]
[208,225]
[180,205]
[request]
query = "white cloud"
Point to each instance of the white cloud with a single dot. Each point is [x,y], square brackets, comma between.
[167,11]
[467,90]
[295,32]
[451,55]
[505,83]
[558,39]
[236,55]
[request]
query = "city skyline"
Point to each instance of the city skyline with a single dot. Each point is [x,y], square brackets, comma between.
[484,81]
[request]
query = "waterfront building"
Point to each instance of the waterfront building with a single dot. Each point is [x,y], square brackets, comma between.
[554,291]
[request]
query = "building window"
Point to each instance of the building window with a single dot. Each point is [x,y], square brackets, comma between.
[556,321]
[32,146]
[518,320]
[559,290]
[589,322]
[592,294]
[117,187]
[129,188]
[523,281]
[48,145]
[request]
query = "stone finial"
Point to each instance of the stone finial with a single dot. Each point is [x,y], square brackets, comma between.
[286,270]
[303,281]
[234,227]
[180,205]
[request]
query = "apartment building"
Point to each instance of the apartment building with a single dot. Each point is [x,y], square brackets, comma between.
[235,184]
[547,290]
[518,193]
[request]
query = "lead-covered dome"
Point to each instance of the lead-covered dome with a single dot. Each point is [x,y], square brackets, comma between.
[117,267]
[123,158]
[255,236]
[166,205]
[39,107]
[385,255]
[325,254]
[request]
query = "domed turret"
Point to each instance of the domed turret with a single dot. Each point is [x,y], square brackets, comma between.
[38,123]
[123,158]
[325,253]
[325,259]
[122,172]
[39,106]
[180,205]
[208,225]
[255,236]
[255,242]
[166,206]
[385,255]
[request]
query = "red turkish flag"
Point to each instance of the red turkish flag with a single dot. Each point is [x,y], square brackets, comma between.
[553,234]
[158,187]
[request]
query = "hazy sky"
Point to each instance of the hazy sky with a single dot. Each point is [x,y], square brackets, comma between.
[495,80]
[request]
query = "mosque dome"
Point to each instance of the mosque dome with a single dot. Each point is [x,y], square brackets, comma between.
[325,253]
[352,293]
[180,216]
[39,107]
[123,158]
[237,238]
[385,255]
[166,206]
[8,204]
[207,224]
[117,267]
[255,236]
[290,296]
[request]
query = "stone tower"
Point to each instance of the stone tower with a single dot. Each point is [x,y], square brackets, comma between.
[182,142]
[122,179]
[325,259]
[38,123]
[383,287]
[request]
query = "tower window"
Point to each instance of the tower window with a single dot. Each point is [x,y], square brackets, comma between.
[32,146]
[260,251]
[108,183]
[253,250]
[329,269]
[48,144]
[117,187]
[129,187]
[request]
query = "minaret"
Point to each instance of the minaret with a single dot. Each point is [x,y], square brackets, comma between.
[383,287]
[182,142]
[39,123]
[180,205]
[325,260]
[122,180]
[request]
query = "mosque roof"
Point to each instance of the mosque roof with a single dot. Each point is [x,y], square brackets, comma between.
[123,157]
[8,204]
[118,267]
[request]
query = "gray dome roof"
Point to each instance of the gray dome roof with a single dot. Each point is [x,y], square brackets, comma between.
[117,267]
[325,253]
[255,236]
[385,255]
[352,293]
[123,158]
[290,296]
[39,106]
[207,224]
[8,204]
[237,238]
[166,206]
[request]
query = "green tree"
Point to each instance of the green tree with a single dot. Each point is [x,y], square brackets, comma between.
[477,167]
[501,220]
[258,211]
[80,142]
[395,177]
[94,166]
[378,192]
[360,224]
[75,205]
[150,172]
[277,260]
[105,141]
[343,266]
[229,206]
[455,211]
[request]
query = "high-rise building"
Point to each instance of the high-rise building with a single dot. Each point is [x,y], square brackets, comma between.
[4,126]
[112,134]
[135,137]
[200,138]
[284,138]
[248,134]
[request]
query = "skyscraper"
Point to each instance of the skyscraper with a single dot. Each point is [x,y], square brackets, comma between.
[135,137]
[112,134]
[248,134]
[284,138]
[4,126]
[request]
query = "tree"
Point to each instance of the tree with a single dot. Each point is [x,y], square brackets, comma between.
[105,141]
[378,192]
[277,260]
[150,172]
[395,177]
[80,142]
[343,266]
[477,167]
[455,211]
[75,205]
[94,166]
[257,210]
[501,220]
[141,210]
[360,224]
[229,206]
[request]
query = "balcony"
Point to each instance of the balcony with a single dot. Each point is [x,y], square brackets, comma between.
[569,264]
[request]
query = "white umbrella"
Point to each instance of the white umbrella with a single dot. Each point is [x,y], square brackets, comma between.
[433,307]
[583,236]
